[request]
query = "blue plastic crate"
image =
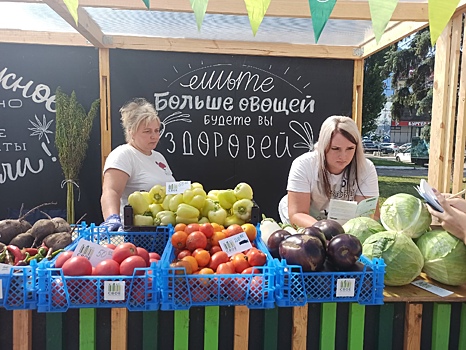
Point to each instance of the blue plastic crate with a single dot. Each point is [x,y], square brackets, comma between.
[296,288]
[58,293]
[179,291]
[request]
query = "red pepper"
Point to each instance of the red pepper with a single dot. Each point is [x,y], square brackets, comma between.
[31,251]
[16,252]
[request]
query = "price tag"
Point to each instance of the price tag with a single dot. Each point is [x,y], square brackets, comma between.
[1,290]
[177,187]
[114,290]
[94,252]
[431,288]
[235,244]
[5,269]
[345,287]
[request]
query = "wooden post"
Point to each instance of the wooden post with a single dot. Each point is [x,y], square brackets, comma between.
[299,330]
[119,329]
[22,329]
[241,327]
[105,112]
[413,325]
[358,81]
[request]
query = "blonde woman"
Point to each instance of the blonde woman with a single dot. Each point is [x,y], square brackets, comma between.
[134,166]
[336,168]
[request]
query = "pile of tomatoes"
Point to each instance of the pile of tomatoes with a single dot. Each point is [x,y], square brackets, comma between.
[198,251]
[125,258]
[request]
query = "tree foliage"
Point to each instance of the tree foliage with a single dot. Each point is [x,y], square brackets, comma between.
[373,96]
[411,63]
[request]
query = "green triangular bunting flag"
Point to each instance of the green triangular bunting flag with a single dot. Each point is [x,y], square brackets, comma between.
[381,12]
[440,12]
[256,12]
[199,7]
[147,3]
[320,12]
[72,6]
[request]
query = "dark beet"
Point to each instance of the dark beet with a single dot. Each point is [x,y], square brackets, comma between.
[274,242]
[330,228]
[344,250]
[304,250]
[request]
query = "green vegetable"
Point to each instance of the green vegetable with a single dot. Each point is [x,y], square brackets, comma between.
[175,201]
[213,194]
[403,259]
[209,205]
[243,191]
[233,219]
[226,198]
[217,215]
[444,257]
[139,202]
[157,194]
[195,197]
[164,218]
[143,220]
[362,227]
[405,213]
[155,208]
[242,209]
[187,214]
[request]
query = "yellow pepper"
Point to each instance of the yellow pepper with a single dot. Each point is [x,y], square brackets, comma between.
[138,201]
[157,193]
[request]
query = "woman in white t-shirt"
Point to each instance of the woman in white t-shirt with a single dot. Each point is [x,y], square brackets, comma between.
[336,168]
[134,166]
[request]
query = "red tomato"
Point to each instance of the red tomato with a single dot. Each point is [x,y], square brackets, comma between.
[191,228]
[153,260]
[182,254]
[123,251]
[207,229]
[128,265]
[233,230]
[217,259]
[107,267]
[62,257]
[240,261]
[256,257]
[154,255]
[226,268]
[77,266]
[196,240]
[215,249]
[144,254]
[250,270]
[110,245]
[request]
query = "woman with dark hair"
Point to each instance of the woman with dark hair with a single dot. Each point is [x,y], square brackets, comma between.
[335,169]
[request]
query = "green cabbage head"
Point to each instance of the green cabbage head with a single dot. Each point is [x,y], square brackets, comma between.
[362,227]
[405,213]
[444,257]
[402,257]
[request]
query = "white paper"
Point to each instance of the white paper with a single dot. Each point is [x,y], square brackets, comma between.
[1,290]
[426,192]
[177,187]
[342,211]
[235,244]
[431,288]
[5,269]
[94,252]
[114,290]
[345,287]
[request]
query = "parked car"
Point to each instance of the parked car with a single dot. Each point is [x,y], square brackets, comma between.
[370,146]
[404,146]
[404,156]
[388,147]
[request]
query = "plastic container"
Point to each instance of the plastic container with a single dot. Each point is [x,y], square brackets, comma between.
[179,291]
[19,286]
[58,293]
[296,288]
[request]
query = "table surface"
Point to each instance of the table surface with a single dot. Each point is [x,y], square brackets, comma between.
[411,293]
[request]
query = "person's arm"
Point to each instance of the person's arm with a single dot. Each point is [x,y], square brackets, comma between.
[113,186]
[298,209]
[452,219]
[376,215]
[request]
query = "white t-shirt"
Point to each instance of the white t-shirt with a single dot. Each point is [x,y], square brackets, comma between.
[144,171]
[303,177]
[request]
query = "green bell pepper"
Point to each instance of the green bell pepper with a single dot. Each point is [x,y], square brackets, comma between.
[157,193]
[243,191]
[217,215]
[166,201]
[242,209]
[233,219]
[226,198]
[164,218]
[208,206]
[155,208]
[195,196]
[213,194]
[143,220]
[187,214]
[175,201]
[203,220]
[139,202]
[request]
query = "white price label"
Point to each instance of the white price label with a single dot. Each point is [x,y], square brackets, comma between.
[235,244]
[114,290]
[177,187]
[1,290]
[5,269]
[94,252]
[345,287]
[431,288]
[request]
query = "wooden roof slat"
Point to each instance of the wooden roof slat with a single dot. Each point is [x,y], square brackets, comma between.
[36,37]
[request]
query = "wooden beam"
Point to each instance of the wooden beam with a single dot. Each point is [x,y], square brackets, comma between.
[358,89]
[87,27]
[49,38]
[22,329]
[344,9]
[233,47]
[105,110]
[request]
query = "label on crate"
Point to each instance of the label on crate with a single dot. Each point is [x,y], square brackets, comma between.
[94,252]
[235,244]
[177,187]
[1,290]
[114,290]
[431,288]
[5,269]
[345,287]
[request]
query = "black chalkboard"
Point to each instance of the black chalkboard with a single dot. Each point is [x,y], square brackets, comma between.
[229,118]
[30,172]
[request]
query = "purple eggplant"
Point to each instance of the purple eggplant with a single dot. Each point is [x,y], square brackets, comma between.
[343,251]
[304,250]
[316,232]
[274,241]
[330,228]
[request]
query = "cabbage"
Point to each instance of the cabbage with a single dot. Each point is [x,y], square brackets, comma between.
[444,257]
[402,257]
[405,213]
[362,227]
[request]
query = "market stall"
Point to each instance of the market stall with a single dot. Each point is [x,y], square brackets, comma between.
[409,318]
